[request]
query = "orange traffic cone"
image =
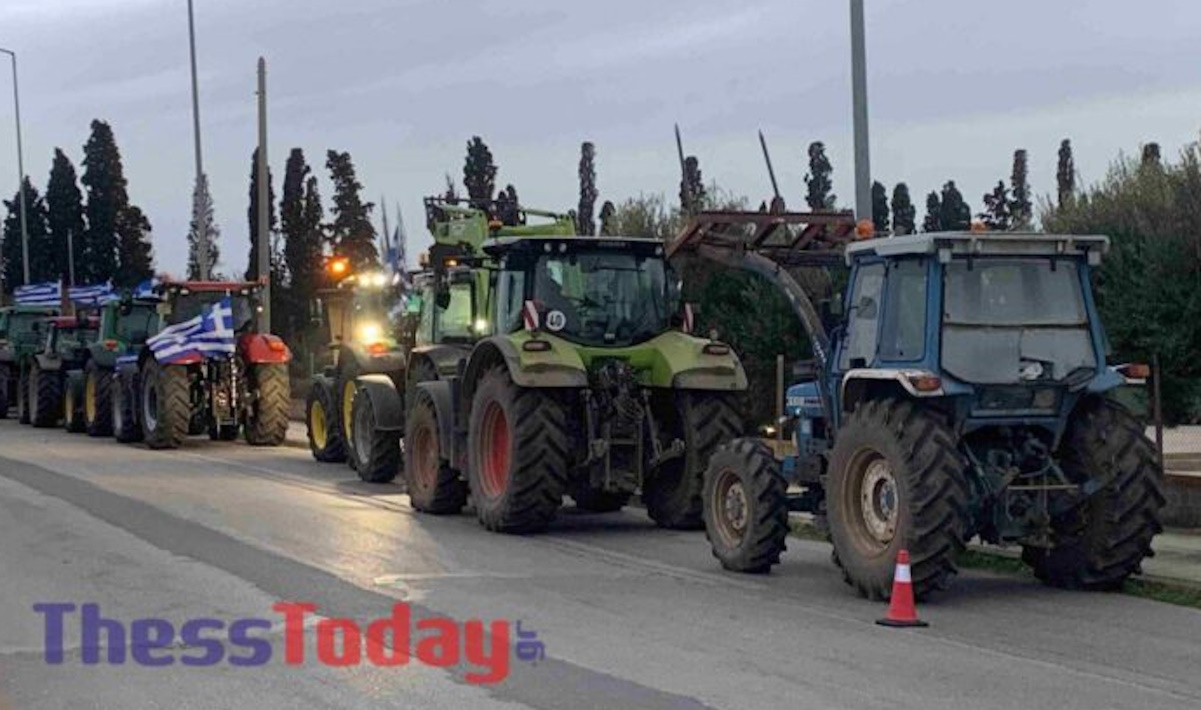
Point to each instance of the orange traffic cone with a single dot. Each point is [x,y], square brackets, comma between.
[902,612]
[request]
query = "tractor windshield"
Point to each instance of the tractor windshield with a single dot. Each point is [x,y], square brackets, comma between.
[1008,321]
[606,298]
[185,308]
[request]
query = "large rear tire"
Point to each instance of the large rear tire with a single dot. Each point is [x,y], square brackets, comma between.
[321,421]
[706,420]
[166,410]
[1103,541]
[434,487]
[73,403]
[46,397]
[377,451]
[126,428]
[517,449]
[267,422]
[97,399]
[896,483]
[23,395]
[746,507]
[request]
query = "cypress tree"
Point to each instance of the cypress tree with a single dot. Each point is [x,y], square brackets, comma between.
[692,187]
[252,215]
[996,209]
[904,214]
[64,206]
[352,232]
[955,215]
[585,224]
[42,265]
[933,219]
[133,243]
[300,216]
[479,173]
[1021,209]
[1065,176]
[104,180]
[202,223]
[880,216]
[818,184]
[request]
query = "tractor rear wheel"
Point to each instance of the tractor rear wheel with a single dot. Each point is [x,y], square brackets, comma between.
[746,507]
[377,452]
[321,419]
[434,487]
[896,483]
[267,422]
[46,397]
[73,403]
[5,400]
[673,494]
[1097,545]
[23,395]
[166,410]
[97,399]
[124,417]
[517,447]
[347,390]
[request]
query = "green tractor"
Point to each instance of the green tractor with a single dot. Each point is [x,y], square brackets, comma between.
[125,325]
[358,316]
[55,382]
[21,336]
[582,381]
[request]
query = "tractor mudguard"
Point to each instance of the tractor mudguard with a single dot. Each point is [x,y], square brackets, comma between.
[262,348]
[385,362]
[444,359]
[441,393]
[387,403]
[558,366]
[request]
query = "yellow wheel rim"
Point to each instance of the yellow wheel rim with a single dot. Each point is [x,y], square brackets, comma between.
[347,408]
[317,425]
[89,399]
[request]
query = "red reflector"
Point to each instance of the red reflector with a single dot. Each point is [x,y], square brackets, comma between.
[535,346]
[1135,371]
[276,345]
[926,383]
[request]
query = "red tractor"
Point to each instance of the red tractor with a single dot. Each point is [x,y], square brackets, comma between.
[208,369]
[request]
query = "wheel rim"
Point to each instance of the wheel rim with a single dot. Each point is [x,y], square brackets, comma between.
[876,500]
[425,458]
[150,406]
[495,453]
[89,399]
[317,425]
[348,409]
[731,509]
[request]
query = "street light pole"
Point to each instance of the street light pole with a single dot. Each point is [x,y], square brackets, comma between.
[202,238]
[264,200]
[20,167]
[863,170]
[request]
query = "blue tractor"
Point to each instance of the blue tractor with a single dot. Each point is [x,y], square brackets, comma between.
[963,392]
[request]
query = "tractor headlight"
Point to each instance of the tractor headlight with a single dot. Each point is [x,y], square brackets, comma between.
[1046,399]
[370,332]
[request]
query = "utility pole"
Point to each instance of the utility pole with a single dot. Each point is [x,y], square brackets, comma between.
[202,238]
[264,204]
[863,170]
[20,168]
[771,172]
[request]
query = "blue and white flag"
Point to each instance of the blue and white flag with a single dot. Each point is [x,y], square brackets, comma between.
[146,288]
[209,334]
[97,295]
[44,295]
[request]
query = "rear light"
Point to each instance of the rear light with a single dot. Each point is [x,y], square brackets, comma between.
[378,348]
[716,349]
[926,383]
[1135,371]
[276,345]
[535,346]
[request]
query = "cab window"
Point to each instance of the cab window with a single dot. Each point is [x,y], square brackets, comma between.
[903,334]
[863,327]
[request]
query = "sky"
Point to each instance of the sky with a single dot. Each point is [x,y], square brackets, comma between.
[955,86]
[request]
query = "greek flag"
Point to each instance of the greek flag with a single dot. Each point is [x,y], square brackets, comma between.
[97,295]
[146,288]
[208,334]
[45,295]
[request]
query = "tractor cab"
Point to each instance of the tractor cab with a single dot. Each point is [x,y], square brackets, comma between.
[68,337]
[183,301]
[21,327]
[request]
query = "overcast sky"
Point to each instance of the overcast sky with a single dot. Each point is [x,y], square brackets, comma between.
[955,86]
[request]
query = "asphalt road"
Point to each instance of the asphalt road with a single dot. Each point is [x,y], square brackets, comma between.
[631,616]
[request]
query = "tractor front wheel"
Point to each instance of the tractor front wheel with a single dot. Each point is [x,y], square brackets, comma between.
[434,487]
[896,483]
[347,390]
[124,417]
[377,452]
[1100,543]
[673,494]
[517,446]
[321,420]
[97,399]
[267,421]
[73,403]
[165,407]
[46,397]
[746,507]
